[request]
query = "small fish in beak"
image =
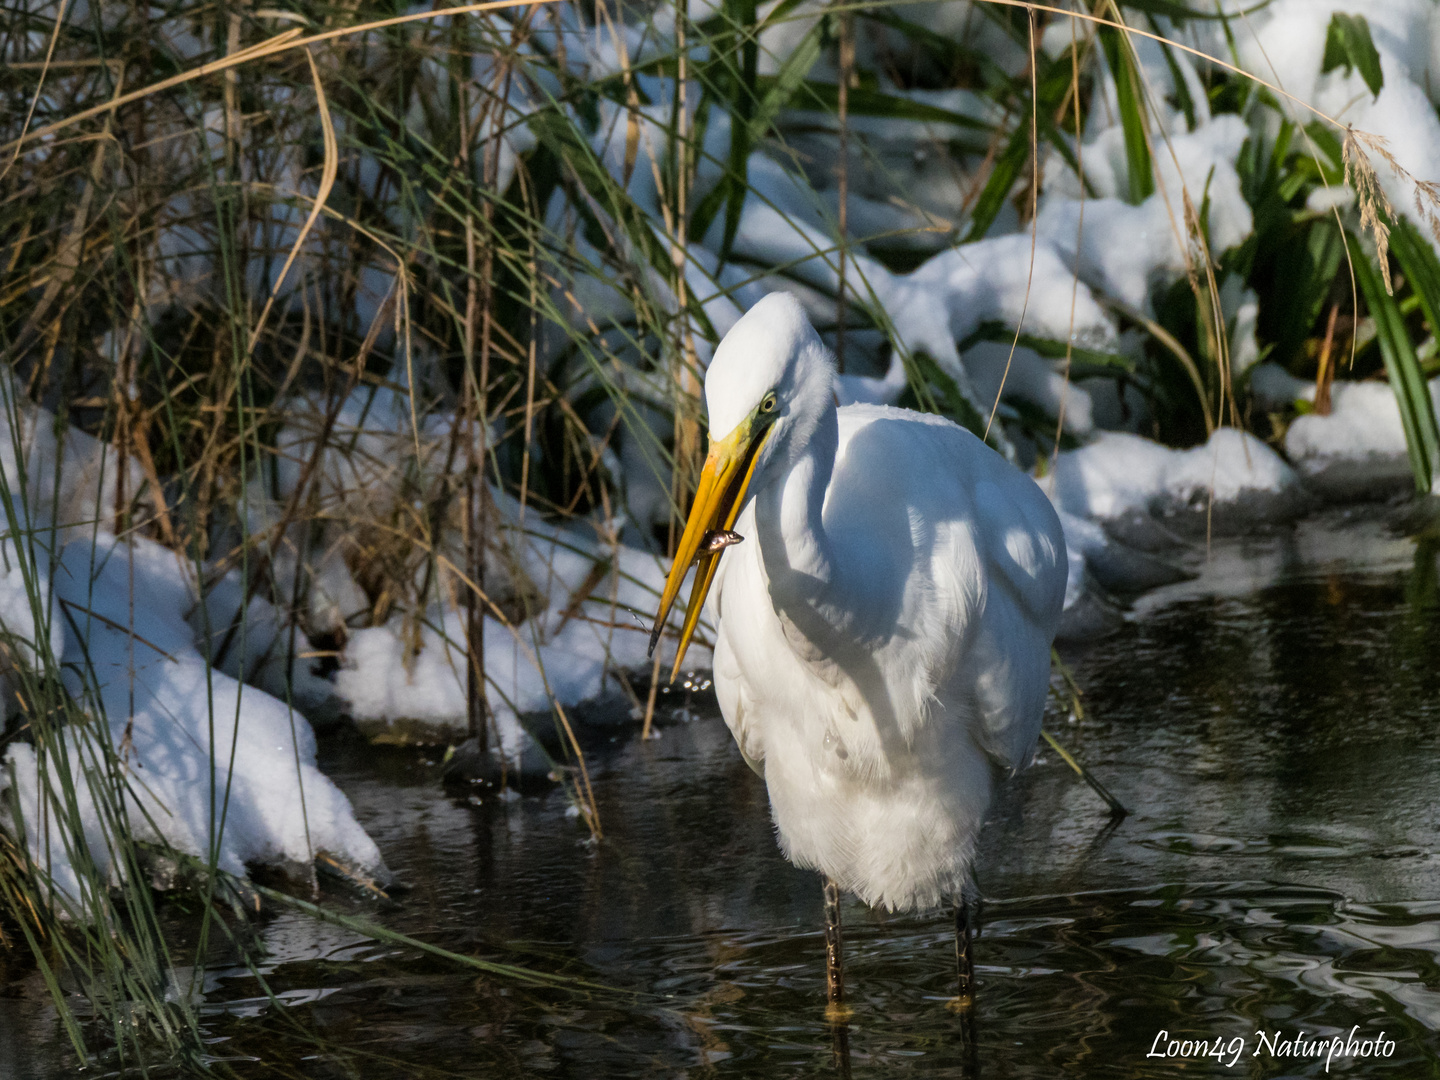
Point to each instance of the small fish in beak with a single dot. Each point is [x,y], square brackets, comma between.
[717,540]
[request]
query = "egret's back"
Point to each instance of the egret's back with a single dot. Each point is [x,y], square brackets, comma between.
[876,703]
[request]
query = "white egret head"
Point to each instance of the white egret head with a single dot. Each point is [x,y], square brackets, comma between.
[771,350]
[770,382]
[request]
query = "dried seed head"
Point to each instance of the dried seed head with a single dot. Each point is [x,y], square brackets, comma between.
[1360,175]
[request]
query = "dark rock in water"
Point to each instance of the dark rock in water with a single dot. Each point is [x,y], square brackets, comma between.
[1420,518]
[1143,532]
[1370,479]
[1123,570]
[1092,616]
[1248,512]
[611,710]
[328,716]
[466,764]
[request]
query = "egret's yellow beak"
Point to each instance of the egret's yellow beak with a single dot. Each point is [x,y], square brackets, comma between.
[728,468]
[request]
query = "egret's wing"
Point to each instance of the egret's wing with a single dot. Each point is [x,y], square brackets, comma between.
[978,593]
[1007,667]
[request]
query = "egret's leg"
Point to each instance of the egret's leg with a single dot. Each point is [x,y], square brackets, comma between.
[964,961]
[835,1009]
[964,1002]
[840,1049]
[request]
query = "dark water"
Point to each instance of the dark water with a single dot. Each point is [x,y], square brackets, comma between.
[1274,727]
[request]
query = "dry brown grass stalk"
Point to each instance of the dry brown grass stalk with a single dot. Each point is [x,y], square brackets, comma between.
[1375,209]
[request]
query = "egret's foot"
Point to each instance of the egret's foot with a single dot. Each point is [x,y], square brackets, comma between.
[961,1005]
[837,1012]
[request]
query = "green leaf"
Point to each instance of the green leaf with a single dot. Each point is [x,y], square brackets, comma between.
[1052,85]
[601,190]
[1178,12]
[781,88]
[1113,363]
[1003,175]
[1177,78]
[1348,43]
[863,101]
[951,54]
[746,97]
[949,399]
[1421,268]
[1299,265]
[1407,380]
[1128,92]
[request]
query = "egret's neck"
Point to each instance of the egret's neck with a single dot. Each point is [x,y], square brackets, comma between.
[789,516]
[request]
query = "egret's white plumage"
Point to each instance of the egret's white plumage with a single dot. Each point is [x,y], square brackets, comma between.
[884,632]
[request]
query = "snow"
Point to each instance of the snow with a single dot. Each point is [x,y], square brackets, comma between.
[1119,473]
[1284,42]
[1124,250]
[562,655]
[1362,429]
[580,601]
[208,765]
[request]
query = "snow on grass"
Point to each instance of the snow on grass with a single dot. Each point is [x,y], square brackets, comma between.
[1125,250]
[592,619]
[206,764]
[1285,42]
[567,605]
[1359,443]
[1119,474]
[1362,436]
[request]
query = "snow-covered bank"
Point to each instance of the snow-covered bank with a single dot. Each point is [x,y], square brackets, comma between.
[588,632]
[1119,473]
[190,756]
[1358,448]
[215,767]
[209,766]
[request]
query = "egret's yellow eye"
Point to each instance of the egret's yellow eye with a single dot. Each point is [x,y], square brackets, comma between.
[768,405]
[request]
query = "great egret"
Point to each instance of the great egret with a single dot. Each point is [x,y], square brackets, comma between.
[883,638]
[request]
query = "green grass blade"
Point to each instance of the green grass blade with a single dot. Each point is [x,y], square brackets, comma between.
[1003,176]
[772,94]
[742,133]
[1177,78]
[380,933]
[1129,93]
[867,101]
[1407,380]
[1052,349]
[1421,268]
[1348,44]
